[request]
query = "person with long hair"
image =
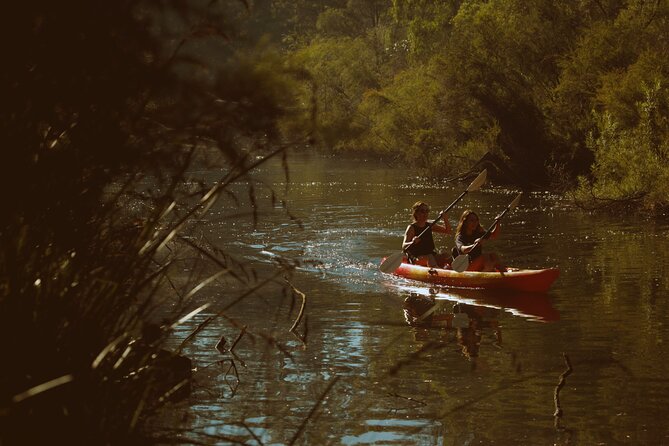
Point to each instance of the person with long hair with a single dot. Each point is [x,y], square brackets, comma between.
[421,246]
[469,240]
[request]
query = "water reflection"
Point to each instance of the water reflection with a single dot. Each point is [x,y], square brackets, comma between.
[465,320]
[532,306]
[440,317]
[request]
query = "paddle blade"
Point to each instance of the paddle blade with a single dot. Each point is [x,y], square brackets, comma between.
[392,262]
[460,263]
[515,202]
[478,181]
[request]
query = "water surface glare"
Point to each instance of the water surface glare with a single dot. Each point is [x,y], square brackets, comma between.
[397,384]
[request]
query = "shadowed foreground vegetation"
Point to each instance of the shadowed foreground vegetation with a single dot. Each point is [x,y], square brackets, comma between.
[106,106]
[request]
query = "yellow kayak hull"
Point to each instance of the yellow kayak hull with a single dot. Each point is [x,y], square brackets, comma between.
[530,280]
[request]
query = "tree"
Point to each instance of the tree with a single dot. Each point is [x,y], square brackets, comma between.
[342,69]
[427,24]
[631,166]
[609,73]
[501,65]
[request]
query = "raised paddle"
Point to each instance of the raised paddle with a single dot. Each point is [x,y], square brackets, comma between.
[393,261]
[461,262]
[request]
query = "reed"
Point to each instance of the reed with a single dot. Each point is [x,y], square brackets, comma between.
[101,125]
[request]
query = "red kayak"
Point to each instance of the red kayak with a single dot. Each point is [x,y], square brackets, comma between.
[531,280]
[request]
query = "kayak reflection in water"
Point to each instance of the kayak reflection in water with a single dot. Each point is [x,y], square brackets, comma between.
[479,318]
[423,247]
[467,320]
[469,240]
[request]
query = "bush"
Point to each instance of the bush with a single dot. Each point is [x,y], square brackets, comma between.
[631,164]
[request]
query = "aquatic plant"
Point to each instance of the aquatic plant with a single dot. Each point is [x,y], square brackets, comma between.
[107,111]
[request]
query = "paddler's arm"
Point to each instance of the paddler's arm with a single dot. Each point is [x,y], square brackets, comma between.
[465,249]
[410,238]
[444,228]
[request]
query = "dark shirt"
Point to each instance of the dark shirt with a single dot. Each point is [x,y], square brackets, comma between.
[426,245]
[462,239]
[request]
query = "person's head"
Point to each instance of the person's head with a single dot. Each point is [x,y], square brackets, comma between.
[419,207]
[469,221]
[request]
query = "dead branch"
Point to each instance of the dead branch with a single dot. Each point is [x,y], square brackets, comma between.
[220,345]
[304,304]
[556,395]
[250,431]
[430,346]
[422,403]
[239,336]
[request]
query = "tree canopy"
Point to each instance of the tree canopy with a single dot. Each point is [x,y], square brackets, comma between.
[553,89]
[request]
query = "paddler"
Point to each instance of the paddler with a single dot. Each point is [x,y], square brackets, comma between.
[420,246]
[469,240]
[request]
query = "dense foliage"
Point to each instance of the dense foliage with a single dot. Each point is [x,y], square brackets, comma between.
[571,95]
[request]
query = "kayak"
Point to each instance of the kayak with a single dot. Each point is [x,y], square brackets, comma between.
[517,279]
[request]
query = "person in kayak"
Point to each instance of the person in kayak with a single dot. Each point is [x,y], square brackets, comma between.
[469,240]
[423,248]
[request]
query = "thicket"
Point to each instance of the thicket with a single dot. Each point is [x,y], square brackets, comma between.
[567,95]
[106,109]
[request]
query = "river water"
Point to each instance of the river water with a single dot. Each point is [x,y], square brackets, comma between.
[357,373]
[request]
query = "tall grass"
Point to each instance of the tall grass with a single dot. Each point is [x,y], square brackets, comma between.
[106,106]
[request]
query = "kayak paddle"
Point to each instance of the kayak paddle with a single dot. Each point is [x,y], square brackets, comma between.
[392,262]
[461,262]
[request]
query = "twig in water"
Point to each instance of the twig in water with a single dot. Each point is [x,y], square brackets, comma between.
[556,395]
[430,346]
[304,304]
[241,333]
[228,306]
[293,329]
[220,345]
[240,360]
[250,431]
[195,332]
[302,337]
[422,403]
[313,410]
[232,367]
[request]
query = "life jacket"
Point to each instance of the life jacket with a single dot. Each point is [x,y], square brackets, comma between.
[426,245]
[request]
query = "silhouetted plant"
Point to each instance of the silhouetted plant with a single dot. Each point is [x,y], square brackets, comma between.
[105,107]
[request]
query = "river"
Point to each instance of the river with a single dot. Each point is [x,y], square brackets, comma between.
[357,373]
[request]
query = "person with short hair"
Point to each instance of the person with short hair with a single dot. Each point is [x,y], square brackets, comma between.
[420,246]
